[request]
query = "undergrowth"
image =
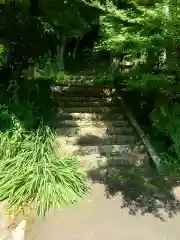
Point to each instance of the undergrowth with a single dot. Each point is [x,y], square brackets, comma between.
[32,174]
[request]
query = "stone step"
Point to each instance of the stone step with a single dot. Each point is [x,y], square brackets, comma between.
[96,161]
[80,79]
[86,93]
[76,123]
[77,87]
[83,98]
[78,90]
[99,131]
[82,92]
[72,103]
[103,150]
[101,110]
[91,140]
[89,116]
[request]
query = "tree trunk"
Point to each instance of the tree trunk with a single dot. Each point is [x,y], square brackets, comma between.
[60,53]
[76,47]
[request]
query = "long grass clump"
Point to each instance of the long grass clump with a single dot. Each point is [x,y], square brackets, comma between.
[32,174]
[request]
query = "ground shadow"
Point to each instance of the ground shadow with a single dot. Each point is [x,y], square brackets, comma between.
[141,190]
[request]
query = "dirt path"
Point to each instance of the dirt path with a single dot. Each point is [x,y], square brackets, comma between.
[98,217]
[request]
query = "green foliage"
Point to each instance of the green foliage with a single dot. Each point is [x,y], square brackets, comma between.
[37,28]
[33,175]
[3,54]
[167,121]
[65,18]
[47,68]
[142,38]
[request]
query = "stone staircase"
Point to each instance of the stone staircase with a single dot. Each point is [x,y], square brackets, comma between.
[91,126]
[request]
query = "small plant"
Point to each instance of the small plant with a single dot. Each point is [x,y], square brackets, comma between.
[32,174]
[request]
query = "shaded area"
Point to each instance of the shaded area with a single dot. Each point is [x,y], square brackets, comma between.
[141,188]
[31,104]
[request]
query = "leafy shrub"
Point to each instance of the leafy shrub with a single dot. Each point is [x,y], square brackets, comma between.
[31,173]
[167,121]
